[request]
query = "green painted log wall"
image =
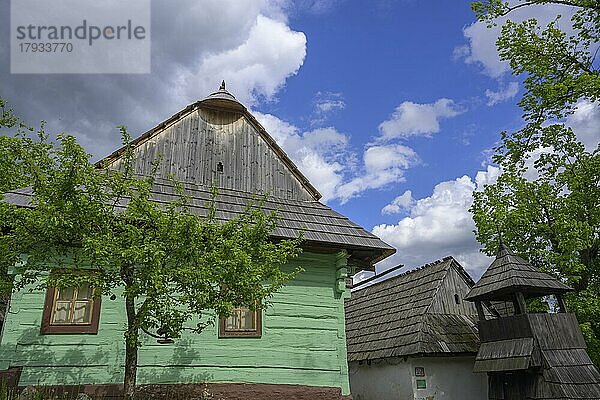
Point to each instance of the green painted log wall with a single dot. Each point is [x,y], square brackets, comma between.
[303,342]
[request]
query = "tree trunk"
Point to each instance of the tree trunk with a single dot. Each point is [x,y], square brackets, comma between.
[131,350]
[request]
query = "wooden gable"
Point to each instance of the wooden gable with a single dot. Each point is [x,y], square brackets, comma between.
[211,144]
[449,298]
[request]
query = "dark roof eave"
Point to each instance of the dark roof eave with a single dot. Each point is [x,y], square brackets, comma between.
[377,253]
[506,293]
[421,354]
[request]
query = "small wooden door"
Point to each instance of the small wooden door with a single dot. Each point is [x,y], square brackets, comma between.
[515,386]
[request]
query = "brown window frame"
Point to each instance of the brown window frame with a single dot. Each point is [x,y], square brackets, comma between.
[249,333]
[57,329]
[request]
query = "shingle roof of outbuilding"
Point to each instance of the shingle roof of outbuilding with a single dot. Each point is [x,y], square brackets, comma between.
[392,318]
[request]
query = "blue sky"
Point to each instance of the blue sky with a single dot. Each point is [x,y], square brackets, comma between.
[389,107]
[377,59]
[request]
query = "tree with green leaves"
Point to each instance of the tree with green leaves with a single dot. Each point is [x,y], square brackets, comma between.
[102,229]
[546,202]
[15,138]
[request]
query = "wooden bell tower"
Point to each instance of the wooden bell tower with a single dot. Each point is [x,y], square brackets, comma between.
[529,355]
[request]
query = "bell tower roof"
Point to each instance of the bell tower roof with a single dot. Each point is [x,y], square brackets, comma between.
[509,274]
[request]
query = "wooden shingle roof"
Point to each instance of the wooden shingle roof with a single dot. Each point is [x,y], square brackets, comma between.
[218,142]
[399,317]
[568,374]
[319,224]
[509,274]
[505,355]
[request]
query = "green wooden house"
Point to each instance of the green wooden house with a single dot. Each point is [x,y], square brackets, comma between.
[295,349]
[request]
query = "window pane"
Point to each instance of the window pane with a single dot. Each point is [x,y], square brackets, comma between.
[62,312]
[82,313]
[84,292]
[241,319]
[248,319]
[231,321]
[65,294]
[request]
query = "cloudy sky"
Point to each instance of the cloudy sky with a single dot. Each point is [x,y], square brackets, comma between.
[389,108]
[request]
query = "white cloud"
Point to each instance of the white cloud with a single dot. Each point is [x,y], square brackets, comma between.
[402,202]
[481,40]
[412,119]
[481,49]
[194,46]
[325,104]
[321,154]
[325,157]
[439,225]
[329,105]
[487,177]
[279,129]
[257,67]
[585,122]
[382,165]
[502,94]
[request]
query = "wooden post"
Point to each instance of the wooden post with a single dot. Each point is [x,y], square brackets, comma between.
[520,305]
[480,312]
[561,303]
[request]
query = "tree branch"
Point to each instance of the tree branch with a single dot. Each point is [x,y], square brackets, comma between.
[562,2]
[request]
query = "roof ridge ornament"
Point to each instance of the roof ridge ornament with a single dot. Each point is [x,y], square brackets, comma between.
[503,247]
[222,87]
